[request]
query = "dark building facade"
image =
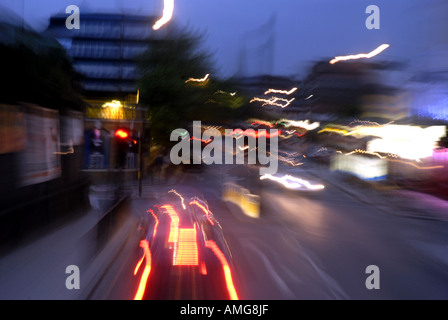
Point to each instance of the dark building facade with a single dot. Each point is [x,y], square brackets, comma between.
[104,51]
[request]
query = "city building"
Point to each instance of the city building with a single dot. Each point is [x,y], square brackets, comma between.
[104,51]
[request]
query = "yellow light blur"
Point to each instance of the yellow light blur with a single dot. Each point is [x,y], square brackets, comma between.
[334,130]
[168,9]
[273,101]
[281,91]
[225,92]
[112,104]
[369,55]
[198,80]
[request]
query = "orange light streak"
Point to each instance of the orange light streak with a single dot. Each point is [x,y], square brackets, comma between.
[394,160]
[369,55]
[144,279]
[273,101]
[168,9]
[157,223]
[416,166]
[225,267]
[281,91]
[199,139]
[203,268]
[174,227]
[256,134]
[206,211]
[198,80]
[187,249]
[138,264]
[270,125]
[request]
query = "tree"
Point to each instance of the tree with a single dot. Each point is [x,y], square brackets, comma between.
[169,72]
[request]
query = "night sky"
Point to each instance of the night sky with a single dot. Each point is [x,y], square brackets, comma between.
[303,30]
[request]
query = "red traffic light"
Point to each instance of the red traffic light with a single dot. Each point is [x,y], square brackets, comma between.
[120,133]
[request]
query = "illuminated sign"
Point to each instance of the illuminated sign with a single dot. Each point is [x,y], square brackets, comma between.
[111,111]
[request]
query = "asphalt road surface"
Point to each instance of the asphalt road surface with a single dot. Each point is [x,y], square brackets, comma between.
[303,246]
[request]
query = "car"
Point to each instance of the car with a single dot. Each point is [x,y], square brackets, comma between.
[183,254]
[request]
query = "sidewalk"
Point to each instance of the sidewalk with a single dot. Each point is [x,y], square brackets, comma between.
[36,269]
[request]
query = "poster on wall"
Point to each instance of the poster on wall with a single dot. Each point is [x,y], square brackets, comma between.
[12,129]
[40,161]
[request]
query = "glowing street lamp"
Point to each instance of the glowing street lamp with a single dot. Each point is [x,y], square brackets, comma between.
[168,10]
[369,55]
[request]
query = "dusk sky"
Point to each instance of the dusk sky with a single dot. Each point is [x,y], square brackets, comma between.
[304,30]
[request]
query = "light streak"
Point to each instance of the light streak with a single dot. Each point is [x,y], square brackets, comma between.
[168,9]
[289,161]
[335,130]
[144,279]
[366,152]
[157,223]
[366,122]
[203,268]
[198,80]
[310,96]
[261,122]
[273,101]
[138,264]
[174,227]
[206,211]
[291,182]
[281,91]
[225,92]
[305,124]
[225,267]
[290,134]
[187,249]
[359,151]
[416,166]
[199,139]
[70,151]
[369,55]
[241,133]
[180,196]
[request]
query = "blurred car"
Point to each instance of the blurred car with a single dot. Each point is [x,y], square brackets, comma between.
[293,183]
[184,255]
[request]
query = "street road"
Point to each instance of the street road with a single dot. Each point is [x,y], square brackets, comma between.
[311,246]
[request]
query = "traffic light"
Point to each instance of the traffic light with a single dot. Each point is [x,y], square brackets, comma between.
[122,146]
[127,146]
[121,134]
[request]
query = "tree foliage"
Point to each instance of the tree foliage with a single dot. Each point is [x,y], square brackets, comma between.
[173,100]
